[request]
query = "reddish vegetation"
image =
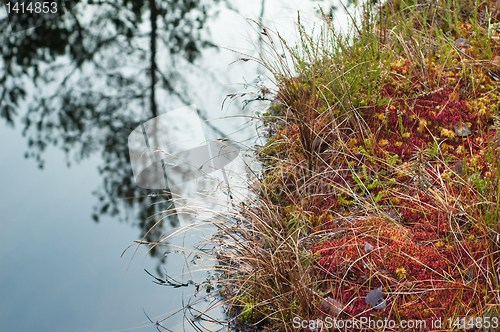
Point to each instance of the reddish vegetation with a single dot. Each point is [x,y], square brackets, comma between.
[415,254]
[411,174]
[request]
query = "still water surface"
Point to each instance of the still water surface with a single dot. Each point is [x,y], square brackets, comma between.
[62,271]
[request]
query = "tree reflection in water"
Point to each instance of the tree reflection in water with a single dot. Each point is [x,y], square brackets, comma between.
[94,75]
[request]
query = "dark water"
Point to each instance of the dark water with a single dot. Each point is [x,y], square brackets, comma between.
[63,229]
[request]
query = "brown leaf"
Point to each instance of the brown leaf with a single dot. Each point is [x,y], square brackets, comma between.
[461,129]
[460,42]
[331,306]
[496,61]
[376,299]
[459,167]
[454,97]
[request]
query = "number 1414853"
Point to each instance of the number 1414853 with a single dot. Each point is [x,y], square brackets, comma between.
[23,7]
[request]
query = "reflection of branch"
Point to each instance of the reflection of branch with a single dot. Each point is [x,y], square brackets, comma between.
[103,43]
[157,323]
[167,282]
[153,14]
[4,90]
